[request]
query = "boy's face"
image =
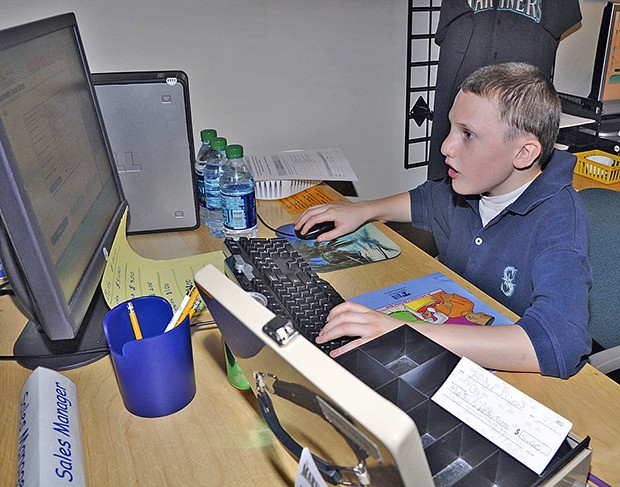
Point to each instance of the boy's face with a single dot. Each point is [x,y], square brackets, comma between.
[480,157]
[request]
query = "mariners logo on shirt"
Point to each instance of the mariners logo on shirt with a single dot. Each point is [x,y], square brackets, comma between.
[531,8]
[508,281]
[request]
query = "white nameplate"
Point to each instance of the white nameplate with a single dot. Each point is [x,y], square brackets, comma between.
[519,425]
[308,474]
[49,443]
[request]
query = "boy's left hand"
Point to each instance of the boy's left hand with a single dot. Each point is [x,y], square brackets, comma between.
[353,319]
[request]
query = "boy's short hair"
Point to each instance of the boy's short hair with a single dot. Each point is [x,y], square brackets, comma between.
[526,101]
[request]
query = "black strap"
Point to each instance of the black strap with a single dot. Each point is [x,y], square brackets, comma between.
[304,397]
[297,394]
[329,472]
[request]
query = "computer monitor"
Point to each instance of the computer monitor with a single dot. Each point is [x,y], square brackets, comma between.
[60,199]
[606,73]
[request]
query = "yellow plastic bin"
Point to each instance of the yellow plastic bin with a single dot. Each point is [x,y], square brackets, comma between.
[598,165]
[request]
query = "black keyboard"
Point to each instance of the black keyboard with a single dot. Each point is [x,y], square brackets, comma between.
[273,268]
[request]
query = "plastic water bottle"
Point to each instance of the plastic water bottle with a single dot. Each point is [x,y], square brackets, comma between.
[212,174]
[238,199]
[206,136]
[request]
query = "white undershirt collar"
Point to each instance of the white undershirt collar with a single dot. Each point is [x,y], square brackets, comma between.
[491,206]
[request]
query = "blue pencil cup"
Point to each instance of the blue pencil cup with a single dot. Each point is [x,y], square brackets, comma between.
[155,374]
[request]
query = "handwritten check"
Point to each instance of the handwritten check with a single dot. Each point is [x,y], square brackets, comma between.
[516,423]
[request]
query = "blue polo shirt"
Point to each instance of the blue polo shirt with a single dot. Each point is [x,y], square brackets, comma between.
[532,257]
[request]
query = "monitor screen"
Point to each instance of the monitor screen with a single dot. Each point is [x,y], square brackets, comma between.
[606,74]
[60,198]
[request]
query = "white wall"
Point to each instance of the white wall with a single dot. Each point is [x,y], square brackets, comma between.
[269,74]
[285,74]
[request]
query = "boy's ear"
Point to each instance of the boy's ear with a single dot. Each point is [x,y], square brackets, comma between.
[531,149]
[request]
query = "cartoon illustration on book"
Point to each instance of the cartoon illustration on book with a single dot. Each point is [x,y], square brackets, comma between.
[434,299]
[439,307]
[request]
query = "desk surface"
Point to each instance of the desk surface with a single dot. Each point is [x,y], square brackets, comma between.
[219,438]
[581,182]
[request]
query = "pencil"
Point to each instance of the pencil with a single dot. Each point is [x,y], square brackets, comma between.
[194,308]
[134,321]
[193,298]
[184,308]
[175,317]
[189,310]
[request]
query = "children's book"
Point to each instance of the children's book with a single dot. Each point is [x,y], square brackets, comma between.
[435,299]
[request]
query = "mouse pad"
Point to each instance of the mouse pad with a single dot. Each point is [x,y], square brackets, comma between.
[367,244]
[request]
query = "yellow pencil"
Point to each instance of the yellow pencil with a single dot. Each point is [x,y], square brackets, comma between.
[194,308]
[193,297]
[134,321]
[175,317]
[187,304]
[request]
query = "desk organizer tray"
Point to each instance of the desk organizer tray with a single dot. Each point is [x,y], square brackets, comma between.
[407,368]
[599,166]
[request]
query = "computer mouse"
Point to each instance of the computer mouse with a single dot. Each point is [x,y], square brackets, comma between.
[315,230]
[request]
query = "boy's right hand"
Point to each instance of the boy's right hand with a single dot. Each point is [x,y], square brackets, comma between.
[347,217]
[355,320]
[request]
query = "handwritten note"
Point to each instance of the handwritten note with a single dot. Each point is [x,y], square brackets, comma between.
[128,275]
[519,425]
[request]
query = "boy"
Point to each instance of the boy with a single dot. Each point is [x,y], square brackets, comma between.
[506,219]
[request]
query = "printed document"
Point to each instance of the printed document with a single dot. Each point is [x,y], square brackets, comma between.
[324,165]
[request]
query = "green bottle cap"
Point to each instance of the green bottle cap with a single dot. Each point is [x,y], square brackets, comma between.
[234,151]
[208,134]
[219,143]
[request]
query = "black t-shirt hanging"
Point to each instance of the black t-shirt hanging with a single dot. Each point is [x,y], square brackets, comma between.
[474,33]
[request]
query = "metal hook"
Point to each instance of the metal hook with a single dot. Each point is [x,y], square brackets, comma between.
[261,384]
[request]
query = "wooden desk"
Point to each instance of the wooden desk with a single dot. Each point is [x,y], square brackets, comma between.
[219,438]
[581,182]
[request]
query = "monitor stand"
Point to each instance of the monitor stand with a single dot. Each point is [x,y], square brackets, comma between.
[33,348]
